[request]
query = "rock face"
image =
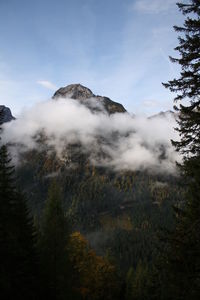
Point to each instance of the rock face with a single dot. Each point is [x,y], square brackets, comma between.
[86,96]
[74,91]
[5,114]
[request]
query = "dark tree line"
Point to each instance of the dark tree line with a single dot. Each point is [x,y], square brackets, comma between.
[18,262]
[183,255]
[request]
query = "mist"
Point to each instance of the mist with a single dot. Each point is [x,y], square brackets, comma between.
[128,142]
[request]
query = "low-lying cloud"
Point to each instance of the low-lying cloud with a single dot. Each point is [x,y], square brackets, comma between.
[128,143]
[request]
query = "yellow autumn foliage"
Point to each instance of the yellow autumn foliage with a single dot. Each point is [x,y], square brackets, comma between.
[95,274]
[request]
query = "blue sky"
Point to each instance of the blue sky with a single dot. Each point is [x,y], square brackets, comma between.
[117,48]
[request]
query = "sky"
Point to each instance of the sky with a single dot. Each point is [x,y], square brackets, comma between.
[117,48]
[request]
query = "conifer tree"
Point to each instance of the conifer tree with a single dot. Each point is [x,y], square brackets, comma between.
[52,246]
[187,87]
[183,257]
[18,263]
[18,260]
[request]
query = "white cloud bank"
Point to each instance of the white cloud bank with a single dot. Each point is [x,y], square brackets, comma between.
[128,143]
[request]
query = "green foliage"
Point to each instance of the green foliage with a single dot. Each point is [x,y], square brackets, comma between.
[52,248]
[138,283]
[181,278]
[18,265]
[187,86]
[94,277]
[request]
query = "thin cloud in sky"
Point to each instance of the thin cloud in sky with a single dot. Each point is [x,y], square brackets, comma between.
[152,6]
[47,84]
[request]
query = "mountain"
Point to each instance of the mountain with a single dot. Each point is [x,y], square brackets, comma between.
[164,114]
[86,96]
[5,114]
[118,211]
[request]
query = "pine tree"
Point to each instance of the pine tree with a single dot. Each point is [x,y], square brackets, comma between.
[18,260]
[187,87]
[138,282]
[183,256]
[52,246]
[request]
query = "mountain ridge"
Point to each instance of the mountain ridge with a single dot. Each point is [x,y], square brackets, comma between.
[82,93]
[5,114]
[86,97]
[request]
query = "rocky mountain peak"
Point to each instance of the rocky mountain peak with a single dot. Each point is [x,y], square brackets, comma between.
[83,94]
[5,114]
[74,91]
